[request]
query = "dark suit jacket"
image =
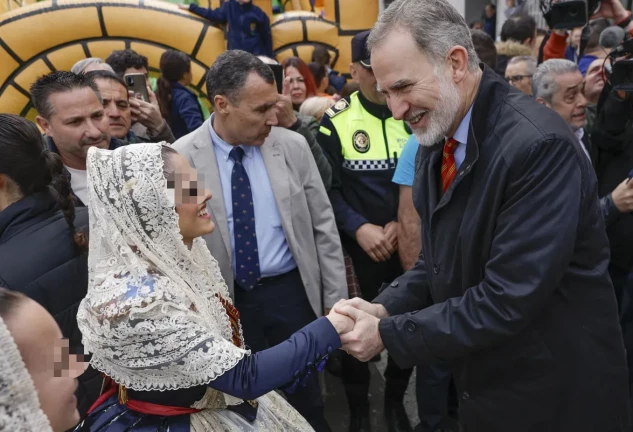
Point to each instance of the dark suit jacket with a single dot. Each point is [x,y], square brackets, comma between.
[512,287]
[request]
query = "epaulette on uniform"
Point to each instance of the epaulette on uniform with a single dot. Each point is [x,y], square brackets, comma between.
[337,108]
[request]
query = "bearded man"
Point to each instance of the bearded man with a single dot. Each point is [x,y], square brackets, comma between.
[511,288]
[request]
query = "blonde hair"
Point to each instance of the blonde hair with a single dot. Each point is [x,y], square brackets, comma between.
[316,106]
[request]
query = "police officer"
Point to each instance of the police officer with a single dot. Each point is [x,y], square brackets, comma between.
[363,142]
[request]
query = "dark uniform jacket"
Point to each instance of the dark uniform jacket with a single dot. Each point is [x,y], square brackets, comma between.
[512,288]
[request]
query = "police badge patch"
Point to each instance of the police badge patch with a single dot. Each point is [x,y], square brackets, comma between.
[360,141]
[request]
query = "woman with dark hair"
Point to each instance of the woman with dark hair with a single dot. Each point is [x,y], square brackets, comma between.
[321,79]
[42,253]
[32,397]
[178,105]
[299,82]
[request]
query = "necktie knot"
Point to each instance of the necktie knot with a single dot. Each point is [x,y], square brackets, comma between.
[450,146]
[237,154]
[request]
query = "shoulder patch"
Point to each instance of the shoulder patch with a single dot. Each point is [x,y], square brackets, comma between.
[338,107]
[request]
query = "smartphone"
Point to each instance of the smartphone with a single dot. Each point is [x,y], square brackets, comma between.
[137,84]
[278,72]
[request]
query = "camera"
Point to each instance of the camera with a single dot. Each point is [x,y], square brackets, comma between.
[129,80]
[619,67]
[568,14]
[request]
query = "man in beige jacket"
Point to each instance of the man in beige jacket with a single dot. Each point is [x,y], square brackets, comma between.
[275,239]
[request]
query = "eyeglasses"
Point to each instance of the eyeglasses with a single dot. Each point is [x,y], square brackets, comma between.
[517,78]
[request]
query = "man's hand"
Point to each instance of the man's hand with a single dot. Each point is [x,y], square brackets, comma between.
[147,113]
[364,341]
[623,196]
[374,242]
[285,112]
[342,323]
[391,232]
[373,309]
[611,9]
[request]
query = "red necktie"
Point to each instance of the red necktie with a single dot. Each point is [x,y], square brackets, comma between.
[449,167]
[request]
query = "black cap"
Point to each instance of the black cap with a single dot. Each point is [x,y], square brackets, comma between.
[359,49]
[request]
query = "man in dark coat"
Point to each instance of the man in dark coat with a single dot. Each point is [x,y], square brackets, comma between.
[512,287]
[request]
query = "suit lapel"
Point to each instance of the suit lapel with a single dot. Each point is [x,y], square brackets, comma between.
[433,179]
[275,162]
[205,162]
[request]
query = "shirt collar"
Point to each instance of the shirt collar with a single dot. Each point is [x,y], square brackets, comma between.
[222,148]
[580,133]
[461,134]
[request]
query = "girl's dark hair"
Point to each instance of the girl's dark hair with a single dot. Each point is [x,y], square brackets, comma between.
[26,160]
[9,301]
[318,71]
[166,153]
[173,65]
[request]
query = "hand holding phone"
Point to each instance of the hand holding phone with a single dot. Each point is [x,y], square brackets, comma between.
[137,84]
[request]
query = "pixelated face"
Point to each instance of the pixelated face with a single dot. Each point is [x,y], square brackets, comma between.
[50,363]
[190,198]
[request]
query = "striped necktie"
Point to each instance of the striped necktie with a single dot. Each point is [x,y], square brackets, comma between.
[449,167]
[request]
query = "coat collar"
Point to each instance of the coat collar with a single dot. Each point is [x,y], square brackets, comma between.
[24,213]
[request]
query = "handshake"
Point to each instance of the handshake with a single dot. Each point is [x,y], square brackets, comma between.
[356,322]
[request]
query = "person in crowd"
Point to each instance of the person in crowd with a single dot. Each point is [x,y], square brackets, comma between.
[178,105]
[573,49]
[166,284]
[612,155]
[70,112]
[90,64]
[518,36]
[594,84]
[246,153]
[127,61]
[305,125]
[490,20]
[248,25]
[321,55]
[363,141]
[321,80]
[512,287]
[485,48]
[42,238]
[349,88]
[519,73]
[121,111]
[514,7]
[316,106]
[436,395]
[38,375]
[477,25]
[300,80]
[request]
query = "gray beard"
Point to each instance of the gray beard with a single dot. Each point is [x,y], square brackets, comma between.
[443,116]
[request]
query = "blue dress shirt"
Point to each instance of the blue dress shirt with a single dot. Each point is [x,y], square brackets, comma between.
[275,257]
[461,136]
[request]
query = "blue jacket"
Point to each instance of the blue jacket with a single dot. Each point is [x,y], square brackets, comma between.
[337,81]
[248,26]
[186,114]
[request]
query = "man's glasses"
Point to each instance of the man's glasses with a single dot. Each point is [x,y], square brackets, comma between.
[517,78]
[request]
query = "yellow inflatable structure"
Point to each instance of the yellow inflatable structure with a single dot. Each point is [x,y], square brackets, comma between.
[36,39]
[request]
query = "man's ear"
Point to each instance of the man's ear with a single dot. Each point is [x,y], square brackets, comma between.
[543,102]
[220,104]
[43,124]
[353,71]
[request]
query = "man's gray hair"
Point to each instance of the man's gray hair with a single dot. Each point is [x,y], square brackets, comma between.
[228,74]
[81,65]
[435,25]
[530,63]
[544,80]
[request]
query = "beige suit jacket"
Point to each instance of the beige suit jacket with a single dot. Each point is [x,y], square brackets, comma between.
[306,213]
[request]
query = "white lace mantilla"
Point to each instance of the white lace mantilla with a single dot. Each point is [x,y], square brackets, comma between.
[152,317]
[19,405]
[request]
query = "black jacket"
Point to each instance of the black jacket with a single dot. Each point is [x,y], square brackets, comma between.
[38,257]
[512,288]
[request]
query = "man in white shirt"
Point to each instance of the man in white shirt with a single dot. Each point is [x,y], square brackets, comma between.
[71,114]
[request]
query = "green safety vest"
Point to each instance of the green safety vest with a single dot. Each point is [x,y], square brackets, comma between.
[367,142]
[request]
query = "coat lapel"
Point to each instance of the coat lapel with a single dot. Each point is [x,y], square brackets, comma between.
[204,160]
[275,162]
